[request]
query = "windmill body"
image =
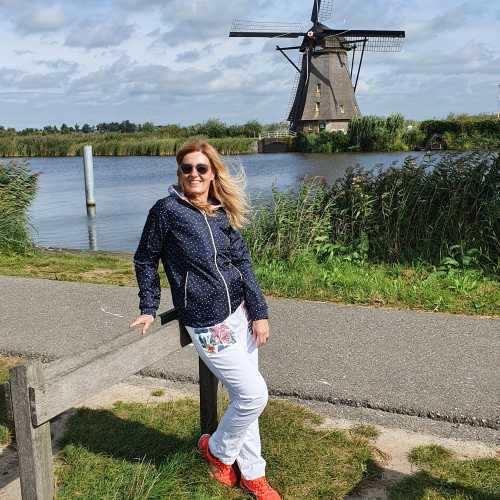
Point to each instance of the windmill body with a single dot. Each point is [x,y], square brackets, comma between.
[327,100]
[324,98]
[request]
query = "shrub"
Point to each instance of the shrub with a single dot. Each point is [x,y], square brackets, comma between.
[17,190]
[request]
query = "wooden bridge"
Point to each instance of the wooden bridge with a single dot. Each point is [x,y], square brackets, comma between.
[276,142]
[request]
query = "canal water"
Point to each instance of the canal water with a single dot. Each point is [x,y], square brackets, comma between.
[126,187]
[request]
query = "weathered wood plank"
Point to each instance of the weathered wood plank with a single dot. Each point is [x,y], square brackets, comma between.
[61,366]
[34,446]
[6,401]
[171,315]
[108,365]
[208,399]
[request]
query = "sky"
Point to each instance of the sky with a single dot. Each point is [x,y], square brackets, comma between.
[171,61]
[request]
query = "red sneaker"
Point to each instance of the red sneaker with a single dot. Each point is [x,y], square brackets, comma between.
[260,488]
[224,473]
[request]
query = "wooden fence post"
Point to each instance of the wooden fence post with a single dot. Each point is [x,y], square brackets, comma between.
[208,390]
[208,399]
[34,445]
[39,393]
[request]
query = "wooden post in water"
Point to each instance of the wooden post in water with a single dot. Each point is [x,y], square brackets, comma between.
[88,166]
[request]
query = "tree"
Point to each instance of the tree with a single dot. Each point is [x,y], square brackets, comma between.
[252,128]
[148,127]
[213,127]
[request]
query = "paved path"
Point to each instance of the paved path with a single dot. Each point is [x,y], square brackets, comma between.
[444,366]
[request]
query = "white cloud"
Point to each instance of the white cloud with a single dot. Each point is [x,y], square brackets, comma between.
[43,81]
[41,19]
[193,55]
[7,3]
[202,20]
[91,34]
[192,70]
[22,52]
[470,59]
[9,77]
[59,64]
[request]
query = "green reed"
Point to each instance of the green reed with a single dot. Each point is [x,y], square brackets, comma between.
[17,190]
[109,144]
[291,222]
[422,211]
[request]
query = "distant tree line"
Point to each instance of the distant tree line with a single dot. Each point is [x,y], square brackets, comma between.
[395,133]
[213,128]
[365,133]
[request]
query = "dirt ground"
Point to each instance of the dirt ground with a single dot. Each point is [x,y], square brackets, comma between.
[392,442]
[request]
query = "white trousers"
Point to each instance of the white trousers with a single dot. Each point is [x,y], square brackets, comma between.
[229,351]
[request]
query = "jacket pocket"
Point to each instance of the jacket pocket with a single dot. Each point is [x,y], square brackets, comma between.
[185,289]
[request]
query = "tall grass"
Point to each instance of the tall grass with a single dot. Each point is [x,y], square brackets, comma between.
[441,207]
[17,190]
[373,133]
[109,144]
[291,222]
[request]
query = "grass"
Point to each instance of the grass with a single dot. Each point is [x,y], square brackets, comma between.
[85,267]
[135,451]
[148,451]
[6,430]
[441,476]
[417,287]
[338,279]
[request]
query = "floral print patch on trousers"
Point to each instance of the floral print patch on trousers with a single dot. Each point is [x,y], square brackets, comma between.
[229,351]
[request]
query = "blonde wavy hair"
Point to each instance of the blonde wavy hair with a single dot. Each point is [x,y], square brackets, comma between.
[228,189]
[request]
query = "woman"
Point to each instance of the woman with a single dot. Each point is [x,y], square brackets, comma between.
[194,231]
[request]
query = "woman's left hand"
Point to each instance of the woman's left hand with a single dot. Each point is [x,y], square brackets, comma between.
[260,329]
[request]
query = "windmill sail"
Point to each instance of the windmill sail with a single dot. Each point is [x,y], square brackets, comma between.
[322,10]
[326,85]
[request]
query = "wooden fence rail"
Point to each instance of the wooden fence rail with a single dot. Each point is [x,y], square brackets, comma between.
[36,392]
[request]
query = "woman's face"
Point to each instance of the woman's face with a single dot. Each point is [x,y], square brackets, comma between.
[196,183]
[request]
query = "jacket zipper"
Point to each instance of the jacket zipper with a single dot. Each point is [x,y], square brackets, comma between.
[215,250]
[185,290]
[241,276]
[215,259]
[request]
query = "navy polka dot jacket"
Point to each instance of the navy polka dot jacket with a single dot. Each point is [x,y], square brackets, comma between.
[206,261]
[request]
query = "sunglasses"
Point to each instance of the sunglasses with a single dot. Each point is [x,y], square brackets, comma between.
[201,168]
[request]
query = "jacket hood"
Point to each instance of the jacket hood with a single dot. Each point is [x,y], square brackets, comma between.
[176,191]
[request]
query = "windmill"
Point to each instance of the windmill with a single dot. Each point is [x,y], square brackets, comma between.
[326,86]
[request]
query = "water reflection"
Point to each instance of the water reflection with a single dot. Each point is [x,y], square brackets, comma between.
[91,227]
[127,187]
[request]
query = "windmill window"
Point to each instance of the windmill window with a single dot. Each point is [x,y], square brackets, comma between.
[317,107]
[318,88]
[342,108]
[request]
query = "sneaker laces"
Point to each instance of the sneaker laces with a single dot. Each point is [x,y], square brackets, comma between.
[260,485]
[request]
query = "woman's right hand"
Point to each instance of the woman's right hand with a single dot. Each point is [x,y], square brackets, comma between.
[143,319]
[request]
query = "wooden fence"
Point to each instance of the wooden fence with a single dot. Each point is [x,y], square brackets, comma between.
[36,392]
